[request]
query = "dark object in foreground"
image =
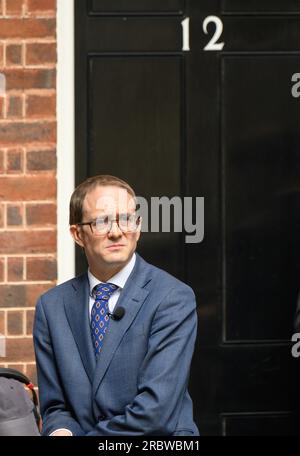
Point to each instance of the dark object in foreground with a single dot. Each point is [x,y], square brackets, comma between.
[19,414]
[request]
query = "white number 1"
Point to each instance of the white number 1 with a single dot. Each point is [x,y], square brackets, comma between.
[186,34]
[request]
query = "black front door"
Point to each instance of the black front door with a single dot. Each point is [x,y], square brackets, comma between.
[198,99]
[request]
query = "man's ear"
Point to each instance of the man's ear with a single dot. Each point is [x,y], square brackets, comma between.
[140,223]
[139,228]
[76,235]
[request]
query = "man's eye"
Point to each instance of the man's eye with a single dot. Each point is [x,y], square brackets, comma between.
[124,217]
[102,220]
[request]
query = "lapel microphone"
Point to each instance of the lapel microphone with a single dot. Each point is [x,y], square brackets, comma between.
[117,314]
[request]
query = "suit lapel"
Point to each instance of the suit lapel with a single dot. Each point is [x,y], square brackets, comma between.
[132,297]
[77,310]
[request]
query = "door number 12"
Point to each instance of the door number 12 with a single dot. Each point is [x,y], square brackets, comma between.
[213,44]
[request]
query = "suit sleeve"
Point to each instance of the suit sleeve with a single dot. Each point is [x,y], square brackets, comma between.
[164,373]
[54,409]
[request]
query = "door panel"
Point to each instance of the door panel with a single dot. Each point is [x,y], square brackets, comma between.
[260,6]
[259,144]
[129,119]
[137,6]
[134,34]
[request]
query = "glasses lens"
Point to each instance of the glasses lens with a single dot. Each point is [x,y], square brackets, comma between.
[102,225]
[128,222]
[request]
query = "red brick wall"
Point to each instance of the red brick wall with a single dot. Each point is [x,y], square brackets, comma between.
[27,170]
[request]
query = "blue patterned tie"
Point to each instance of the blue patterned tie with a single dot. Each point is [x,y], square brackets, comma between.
[99,315]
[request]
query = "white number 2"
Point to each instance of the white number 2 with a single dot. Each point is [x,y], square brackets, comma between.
[212,45]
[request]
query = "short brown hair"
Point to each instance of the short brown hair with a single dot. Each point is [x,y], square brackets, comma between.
[79,194]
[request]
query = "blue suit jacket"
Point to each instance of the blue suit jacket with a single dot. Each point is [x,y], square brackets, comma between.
[139,384]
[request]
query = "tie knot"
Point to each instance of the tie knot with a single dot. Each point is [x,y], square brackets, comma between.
[104,290]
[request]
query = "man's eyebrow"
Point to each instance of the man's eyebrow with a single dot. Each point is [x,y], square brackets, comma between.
[114,213]
[94,217]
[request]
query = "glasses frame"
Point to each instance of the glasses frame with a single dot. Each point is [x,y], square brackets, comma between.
[117,219]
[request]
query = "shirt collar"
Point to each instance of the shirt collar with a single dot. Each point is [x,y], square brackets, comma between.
[118,279]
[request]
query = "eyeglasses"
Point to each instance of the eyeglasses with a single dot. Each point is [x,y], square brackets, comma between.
[127,223]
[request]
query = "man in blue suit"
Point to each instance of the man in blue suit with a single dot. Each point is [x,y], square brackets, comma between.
[114,345]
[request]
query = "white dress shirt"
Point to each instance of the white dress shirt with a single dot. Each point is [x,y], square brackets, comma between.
[118,279]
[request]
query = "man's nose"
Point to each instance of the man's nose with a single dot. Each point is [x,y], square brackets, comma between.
[114,230]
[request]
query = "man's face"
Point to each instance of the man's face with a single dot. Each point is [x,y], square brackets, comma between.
[113,250]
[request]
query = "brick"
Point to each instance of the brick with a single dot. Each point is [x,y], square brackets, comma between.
[41,5]
[14,215]
[26,79]
[26,132]
[13,54]
[29,321]
[40,106]
[22,295]
[2,322]
[14,7]
[2,209]
[33,292]
[13,294]
[2,261]
[15,269]
[22,242]
[1,107]
[41,214]
[27,28]
[31,373]
[15,106]
[14,161]
[27,188]
[40,53]
[15,323]
[19,350]
[1,161]
[1,51]
[41,160]
[41,269]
